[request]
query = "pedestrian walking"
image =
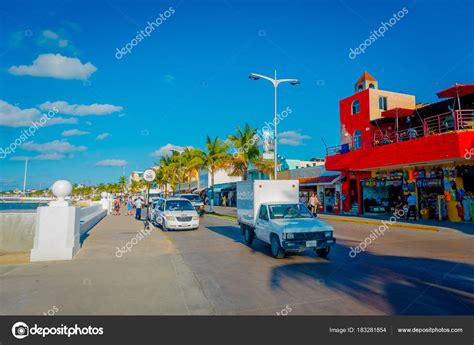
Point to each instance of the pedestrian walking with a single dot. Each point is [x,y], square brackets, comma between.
[129,206]
[138,208]
[224,201]
[314,204]
[116,207]
[411,201]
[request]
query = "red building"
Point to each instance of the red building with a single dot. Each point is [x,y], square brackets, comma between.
[391,146]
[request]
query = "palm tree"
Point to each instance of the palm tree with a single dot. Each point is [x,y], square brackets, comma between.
[214,159]
[135,186]
[170,167]
[265,166]
[246,152]
[191,163]
[160,179]
[123,183]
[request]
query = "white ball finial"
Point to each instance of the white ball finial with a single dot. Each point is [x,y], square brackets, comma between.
[103,195]
[61,189]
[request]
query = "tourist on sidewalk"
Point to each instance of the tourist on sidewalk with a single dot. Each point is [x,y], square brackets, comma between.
[116,208]
[129,206]
[138,211]
[313,204]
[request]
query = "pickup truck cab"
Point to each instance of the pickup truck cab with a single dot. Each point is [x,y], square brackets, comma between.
[290,227]
[282,221]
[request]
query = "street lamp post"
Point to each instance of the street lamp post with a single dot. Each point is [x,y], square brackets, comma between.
[24,177]
[275,82]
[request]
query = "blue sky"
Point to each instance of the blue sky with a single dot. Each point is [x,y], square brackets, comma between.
[188,78]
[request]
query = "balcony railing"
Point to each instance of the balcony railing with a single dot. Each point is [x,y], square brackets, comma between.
[451,121]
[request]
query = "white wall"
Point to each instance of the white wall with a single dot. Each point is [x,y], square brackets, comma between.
[17,230]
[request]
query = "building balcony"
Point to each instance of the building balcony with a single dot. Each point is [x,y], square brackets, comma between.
[440,138]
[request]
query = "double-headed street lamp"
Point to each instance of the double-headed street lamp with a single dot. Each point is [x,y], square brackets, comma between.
[275,82]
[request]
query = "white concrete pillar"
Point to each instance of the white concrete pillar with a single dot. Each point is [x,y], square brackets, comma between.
[106,202]
[57,230]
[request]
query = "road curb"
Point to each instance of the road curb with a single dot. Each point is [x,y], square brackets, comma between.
[378,222]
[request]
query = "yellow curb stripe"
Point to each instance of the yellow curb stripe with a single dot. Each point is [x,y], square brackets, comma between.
[374,222]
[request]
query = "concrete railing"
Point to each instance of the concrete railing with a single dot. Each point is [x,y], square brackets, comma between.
[90,216]
[17,230]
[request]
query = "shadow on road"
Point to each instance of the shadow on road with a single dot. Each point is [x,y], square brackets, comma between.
[408,286]
[233,232]
[404,285]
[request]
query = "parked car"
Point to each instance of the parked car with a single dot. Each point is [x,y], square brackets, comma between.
[270,211]
[174,214]
[196,201]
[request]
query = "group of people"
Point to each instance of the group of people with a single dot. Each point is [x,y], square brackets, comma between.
[130,203]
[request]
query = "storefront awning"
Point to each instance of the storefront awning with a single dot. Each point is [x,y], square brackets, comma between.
[319,180]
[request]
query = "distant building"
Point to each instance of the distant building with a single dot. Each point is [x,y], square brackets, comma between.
[292,164]
[135,176]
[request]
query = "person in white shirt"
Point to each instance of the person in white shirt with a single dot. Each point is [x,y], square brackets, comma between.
[138,210]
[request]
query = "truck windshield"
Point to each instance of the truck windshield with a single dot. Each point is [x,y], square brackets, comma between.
[289,211]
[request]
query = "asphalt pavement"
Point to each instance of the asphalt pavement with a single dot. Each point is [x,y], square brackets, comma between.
[123,269]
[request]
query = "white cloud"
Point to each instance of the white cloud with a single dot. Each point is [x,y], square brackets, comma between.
[292,138]
[55,146]
[81,109]
[111,163]
[61,121]
[55,66]
[13,116]
[166,150]
[49,34]
[73,132]
[102,136]
[41,157]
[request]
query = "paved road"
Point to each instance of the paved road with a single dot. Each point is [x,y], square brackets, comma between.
[211,271]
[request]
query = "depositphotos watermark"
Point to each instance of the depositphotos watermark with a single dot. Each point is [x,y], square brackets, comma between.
[376,34]
[21,330]
[28,133]
[285,311]
[129,245]
[144,33]
[380,231]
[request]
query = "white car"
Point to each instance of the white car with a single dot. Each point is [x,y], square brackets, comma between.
[174,214]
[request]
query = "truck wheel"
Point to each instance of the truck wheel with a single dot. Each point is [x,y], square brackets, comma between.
[249,235]
[277,251]
[323,252]
[163,226]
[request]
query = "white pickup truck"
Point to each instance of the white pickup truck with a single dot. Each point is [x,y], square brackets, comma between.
[270,211]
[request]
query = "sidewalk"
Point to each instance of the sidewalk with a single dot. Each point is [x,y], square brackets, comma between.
[422,224]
